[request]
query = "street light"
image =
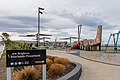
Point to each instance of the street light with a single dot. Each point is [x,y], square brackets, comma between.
[38,35]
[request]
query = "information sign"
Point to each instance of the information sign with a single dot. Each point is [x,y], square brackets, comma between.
[25,57]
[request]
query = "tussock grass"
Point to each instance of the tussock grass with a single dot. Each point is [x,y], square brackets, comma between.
[56,69]
[61,61]
[48,63]
[26,74]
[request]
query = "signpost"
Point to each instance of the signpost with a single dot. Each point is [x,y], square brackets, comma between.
[44,66]
[27,57]
[15,58]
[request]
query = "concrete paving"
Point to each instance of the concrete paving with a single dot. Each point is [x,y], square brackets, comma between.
[91,70]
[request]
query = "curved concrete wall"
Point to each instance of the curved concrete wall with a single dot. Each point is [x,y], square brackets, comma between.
[74,74]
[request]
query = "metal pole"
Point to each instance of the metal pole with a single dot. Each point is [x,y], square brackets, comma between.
[80,30]
[44,41]
[78,34]
[55,42]
[8,73]
[44,72]
[44,65]
[38,37]
[70,41]
[114,41]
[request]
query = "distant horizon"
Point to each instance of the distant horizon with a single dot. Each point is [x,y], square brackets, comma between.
[61,41]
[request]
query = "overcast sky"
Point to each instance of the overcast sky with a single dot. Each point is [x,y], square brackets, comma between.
[60,17]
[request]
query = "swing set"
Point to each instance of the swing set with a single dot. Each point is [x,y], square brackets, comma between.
[115,40]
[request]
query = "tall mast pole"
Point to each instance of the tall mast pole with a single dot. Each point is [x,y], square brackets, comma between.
[38,35]
[79,32]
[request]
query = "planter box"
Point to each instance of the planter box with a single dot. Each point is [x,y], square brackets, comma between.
[74,74]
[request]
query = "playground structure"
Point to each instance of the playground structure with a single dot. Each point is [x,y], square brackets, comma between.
[91,44]
[70,39]
[115,40]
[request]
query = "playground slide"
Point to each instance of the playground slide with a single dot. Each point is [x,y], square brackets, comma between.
[75,46]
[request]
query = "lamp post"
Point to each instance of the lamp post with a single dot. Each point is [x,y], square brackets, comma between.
[38,35]
[79,32]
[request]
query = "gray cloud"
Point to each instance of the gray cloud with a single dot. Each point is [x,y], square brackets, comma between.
[60,18]
[28,19]
[60,33]
[21,24]
[91,20]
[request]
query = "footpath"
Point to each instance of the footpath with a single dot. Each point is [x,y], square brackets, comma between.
[90,70]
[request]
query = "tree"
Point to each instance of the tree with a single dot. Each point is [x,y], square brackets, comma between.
[5,38]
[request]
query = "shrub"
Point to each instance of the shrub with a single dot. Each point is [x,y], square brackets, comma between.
[48,63]
[26,74]
[38,67]
[17,45]
[56,69]
[39,71]
[51,57]
[61,61]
